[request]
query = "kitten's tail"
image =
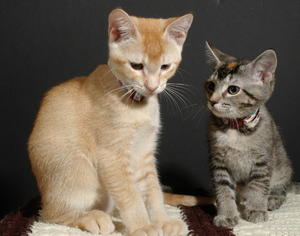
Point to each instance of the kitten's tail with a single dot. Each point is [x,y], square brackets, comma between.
[294,188]
[186,200]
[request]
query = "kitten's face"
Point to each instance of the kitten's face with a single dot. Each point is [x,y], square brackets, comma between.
[236,89]
[145,53]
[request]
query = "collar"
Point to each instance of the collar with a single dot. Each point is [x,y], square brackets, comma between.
[244,125]
[134,95]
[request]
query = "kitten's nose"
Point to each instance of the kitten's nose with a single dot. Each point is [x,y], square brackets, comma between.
[151,87]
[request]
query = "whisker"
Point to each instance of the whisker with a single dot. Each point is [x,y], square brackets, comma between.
[116,89]
[128,92]
[172,100]
[107,73]
[179,96]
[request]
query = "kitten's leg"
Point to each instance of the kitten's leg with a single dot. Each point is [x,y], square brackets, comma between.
[155,200]
[225,190]
[69,195]
[281,176]
[280,180]
[228,215]
[116,174]
[256,193]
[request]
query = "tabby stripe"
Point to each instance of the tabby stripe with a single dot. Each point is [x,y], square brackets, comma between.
[263,183]
[246,105]
[145,176]
[220,168]
[261,164]
[258,176]
[260,186]
[225,183]
[250,95]
[221,176]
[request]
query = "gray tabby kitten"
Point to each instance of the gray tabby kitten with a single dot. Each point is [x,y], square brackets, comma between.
[249,165]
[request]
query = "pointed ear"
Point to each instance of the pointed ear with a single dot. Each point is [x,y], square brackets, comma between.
[120,26]
[216,57]
[179,28]
[264,66]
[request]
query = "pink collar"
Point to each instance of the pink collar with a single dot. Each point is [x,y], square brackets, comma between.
[245,124]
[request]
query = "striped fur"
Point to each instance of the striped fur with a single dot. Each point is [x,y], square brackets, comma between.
[250,173]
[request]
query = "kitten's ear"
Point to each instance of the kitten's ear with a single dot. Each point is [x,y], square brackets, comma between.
[216,57]
[179,28]
[120,26]
[263,67]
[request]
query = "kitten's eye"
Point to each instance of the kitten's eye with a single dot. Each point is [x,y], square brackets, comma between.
[165,66]
[233,90]
[136,66]
[210,86]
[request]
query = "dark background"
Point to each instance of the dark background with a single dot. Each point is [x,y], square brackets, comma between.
[43,43]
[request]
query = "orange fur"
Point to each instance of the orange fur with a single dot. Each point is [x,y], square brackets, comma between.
[232,65]
[186,200]
[93,148]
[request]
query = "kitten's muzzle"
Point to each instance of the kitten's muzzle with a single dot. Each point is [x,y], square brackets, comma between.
[212,103]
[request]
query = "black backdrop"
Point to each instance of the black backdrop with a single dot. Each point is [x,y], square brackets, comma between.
[43,43]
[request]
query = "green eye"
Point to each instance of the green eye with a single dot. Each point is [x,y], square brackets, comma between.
[136,66]
[165,66]
[233,90]
[210,86]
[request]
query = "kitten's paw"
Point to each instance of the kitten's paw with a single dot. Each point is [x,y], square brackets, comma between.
[96,222]
[173,227]
[148,230]
[275,201]
[225,221]
[255,216]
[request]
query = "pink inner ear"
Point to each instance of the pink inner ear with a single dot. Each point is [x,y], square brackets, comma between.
[178,34]
[265,76]
[116,34]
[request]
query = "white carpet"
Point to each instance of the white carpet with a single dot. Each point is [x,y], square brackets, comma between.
[282,222]
[45,229]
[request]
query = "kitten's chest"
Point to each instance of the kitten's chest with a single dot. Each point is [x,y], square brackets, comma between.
[233,139]
[238,157]
[145,126]
[239,165]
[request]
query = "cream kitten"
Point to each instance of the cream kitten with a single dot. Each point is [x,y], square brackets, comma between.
[94,140]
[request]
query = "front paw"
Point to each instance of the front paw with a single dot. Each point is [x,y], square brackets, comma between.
[226,221]
[274,202]
[148,230]
[173,227]
[255,216]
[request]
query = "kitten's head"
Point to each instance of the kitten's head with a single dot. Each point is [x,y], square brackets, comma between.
[145,52]
[238,88]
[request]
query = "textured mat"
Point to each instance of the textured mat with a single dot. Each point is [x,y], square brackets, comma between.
[45,229]
[23,223]
[200,221]
[282,222]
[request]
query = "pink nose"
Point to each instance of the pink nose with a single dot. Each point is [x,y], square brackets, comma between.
[151,88]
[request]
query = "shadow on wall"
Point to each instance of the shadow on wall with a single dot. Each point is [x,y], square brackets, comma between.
[185,181]
[22,193]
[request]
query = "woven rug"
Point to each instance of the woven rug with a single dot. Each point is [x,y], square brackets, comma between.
[282,222]
[24,223]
